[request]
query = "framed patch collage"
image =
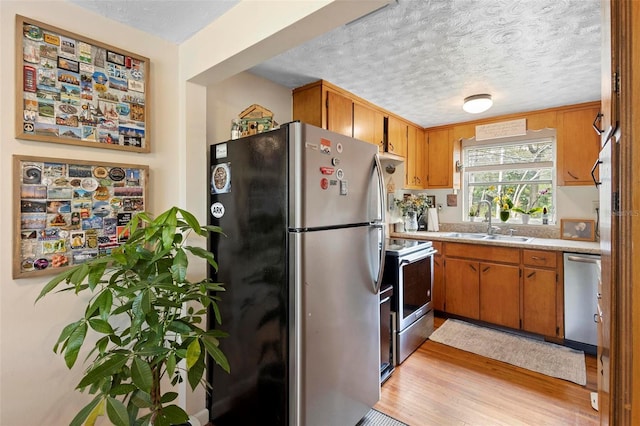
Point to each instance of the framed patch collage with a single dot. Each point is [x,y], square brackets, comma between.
[67,212]
[78,91]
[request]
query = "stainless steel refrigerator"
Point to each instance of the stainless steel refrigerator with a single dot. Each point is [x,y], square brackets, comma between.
[302,210]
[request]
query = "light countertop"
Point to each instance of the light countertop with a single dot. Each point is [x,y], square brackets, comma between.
[536,243]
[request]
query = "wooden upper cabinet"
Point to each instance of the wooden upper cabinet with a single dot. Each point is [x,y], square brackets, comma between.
[308,105]
[415,164]
[578,146]
[339,114]
[397,136]
[440,163]
[368,125]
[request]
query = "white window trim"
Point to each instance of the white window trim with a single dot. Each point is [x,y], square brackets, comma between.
[531,136]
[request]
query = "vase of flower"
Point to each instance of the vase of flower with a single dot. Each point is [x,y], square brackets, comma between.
[411,221]
[525,218]
[504,215]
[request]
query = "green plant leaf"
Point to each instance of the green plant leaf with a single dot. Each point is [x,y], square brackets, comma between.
[64,335]
[204,254]
[80,273]
[195,373]
[191,221]
[172,415]
[86,411]
[141,374]
[117,412]
[103,370]
[74,343]
[100,325]
[179,267]
[211,345]
[122,389]
[141,399]
[193,353]
[53,283]
[95,274]
[168,397]
[179,327]
[171,364]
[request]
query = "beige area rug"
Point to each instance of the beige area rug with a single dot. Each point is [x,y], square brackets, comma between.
[535,355]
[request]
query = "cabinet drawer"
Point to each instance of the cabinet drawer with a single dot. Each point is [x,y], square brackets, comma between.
[546,259]
[483,252]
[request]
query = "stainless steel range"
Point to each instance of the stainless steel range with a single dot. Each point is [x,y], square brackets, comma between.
[409,268]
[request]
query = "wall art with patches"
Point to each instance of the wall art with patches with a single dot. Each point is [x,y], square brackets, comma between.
[69,211]
[78,91]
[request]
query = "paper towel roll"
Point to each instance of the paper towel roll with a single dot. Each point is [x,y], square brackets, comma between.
[432,219]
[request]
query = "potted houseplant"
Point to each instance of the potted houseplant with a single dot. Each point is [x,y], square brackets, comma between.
[140,309]
[526,213]
[473,213]
[412,206]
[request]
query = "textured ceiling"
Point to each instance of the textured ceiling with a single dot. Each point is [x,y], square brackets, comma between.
[172,20]
[420,58]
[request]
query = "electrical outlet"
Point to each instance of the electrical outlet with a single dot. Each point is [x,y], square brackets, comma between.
[595,205]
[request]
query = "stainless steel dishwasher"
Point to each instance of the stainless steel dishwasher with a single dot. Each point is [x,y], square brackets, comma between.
[581,277]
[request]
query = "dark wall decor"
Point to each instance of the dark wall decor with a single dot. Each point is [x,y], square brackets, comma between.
[69,211]
[74,90]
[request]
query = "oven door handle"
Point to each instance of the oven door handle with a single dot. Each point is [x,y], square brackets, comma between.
[414,257]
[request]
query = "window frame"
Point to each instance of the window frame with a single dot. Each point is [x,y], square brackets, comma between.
[531,137]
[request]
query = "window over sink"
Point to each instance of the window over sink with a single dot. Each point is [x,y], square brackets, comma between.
[516,175]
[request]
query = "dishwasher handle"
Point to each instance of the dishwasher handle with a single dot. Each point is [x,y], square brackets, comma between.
[583,259]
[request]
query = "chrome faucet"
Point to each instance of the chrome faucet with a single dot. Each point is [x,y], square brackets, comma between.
[490,229]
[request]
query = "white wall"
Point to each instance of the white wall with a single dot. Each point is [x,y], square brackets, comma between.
[35,385]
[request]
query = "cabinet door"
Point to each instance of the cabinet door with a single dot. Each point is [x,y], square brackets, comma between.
[462,288]
[397,136]
[339,114]
[415,176]
[500,294]
[368,125]
[439,159]
[578,146]
[539,301]
[438,278]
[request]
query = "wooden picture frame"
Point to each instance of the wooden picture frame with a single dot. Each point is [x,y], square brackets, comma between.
[74,90]
[577,229]
[66,211]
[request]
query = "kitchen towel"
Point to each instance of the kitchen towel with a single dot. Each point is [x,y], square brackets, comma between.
[432,219]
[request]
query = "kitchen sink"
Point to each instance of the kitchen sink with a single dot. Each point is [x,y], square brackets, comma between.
[508,238]
[477,236]
[465,235]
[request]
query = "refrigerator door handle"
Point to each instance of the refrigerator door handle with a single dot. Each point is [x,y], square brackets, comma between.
[382,191]
[382,225]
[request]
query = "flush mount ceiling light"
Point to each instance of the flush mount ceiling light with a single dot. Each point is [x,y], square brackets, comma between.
[477,103]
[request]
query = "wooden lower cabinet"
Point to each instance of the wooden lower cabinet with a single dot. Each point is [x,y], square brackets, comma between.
[510,287]
[500,294]
[539,301]
[462,288]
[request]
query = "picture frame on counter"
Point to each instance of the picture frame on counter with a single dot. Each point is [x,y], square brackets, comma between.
[75,90]
[577,229]
[66,212]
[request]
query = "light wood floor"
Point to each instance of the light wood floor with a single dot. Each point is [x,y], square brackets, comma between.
[440,385]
